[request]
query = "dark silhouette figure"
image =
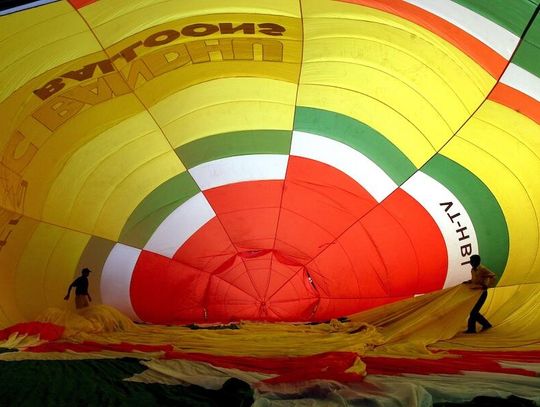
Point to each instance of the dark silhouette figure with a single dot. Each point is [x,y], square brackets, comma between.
[82,297]
[481,278]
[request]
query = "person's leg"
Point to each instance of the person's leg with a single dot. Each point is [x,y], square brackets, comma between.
[483,321]
[475,314]
[81,301]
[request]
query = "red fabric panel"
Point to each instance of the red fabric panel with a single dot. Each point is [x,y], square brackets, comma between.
[330,365]
[531,356]
[89,346]
[208,248]
[45,330]
[164,290]
[248,212]
[469,361]
[81,3]
[336,252]
[393,252]
[517,100]
[296,300]
[480,52]
[417,231]
[319,203]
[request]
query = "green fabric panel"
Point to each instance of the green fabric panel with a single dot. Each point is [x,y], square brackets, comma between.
[481,205]
[235,143]
[356,135]
[151,212]
[528,53]
[100,382]
[514,17]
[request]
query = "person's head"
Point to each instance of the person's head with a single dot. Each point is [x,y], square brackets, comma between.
[475,260]
[86,271]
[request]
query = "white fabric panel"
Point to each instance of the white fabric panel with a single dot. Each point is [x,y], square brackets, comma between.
[430,194]
[116,278]
[493,35]
[346,159]
[454,388]
[522,80]
[183,222]
[183,372]
[240,168]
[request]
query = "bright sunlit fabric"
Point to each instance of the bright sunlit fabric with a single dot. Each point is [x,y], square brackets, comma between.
[267,161]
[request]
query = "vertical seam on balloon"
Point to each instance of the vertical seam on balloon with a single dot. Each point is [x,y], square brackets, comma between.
[486,98]
[462,125]
[146,108]
[526,193]
[290,145]
[235,248]
[161,131]
[382,103]
[102,160]
[134,93]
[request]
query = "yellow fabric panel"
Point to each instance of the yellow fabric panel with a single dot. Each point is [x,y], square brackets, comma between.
[229,117]
[27,116]
[161,71]
[515,304]
[15,231]
[46,268]
[513,311]
[165,86]
[409,328]
[91,172]
[226,105]
[131,190]
[17,110]
[498,145]
[21,341]
[77,148]
[375,114]
[329,9]
[40,39]
[113,22]
[392,69]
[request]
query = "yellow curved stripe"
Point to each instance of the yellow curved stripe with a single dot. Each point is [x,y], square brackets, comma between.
[82,191]
[500,146]
[414,88]
[185,79]
[159,72]
[46,267]
[372,112]
[113,22]
[226,105]
[513,306]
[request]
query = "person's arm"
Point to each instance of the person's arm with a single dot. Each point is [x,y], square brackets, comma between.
[69,290]
[489,278]
[472,284]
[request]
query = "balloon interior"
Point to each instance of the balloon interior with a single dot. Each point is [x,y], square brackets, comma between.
[277,201]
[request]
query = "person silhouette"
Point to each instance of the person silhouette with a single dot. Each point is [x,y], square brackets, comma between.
[82,297]
[481,278]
